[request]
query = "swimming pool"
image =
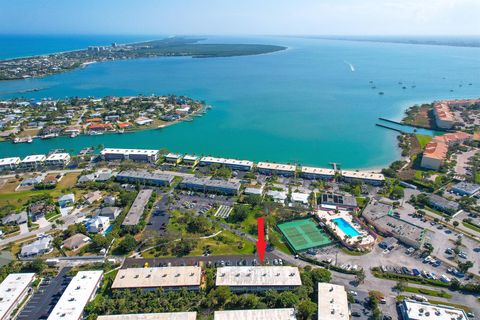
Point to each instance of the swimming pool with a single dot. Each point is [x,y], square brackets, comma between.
[346,227]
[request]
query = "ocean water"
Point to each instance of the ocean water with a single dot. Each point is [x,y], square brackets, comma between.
[311,104]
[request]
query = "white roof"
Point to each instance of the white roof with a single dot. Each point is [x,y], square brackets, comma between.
[152,316]
[247,276]
[174,155]
[319,171]
[184,276]
[9,161]
[426,311]
[277,195]
[11,290]
[189,157]
[300,197]
[227,161]
[363,175]
[332,302]
[276,166]
[58,156]
[34,158]
[148,152]
[260,314]
[253,190]
[76,296]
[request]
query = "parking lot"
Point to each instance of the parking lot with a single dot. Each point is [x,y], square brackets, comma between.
[159,218]
[42,302]
[219,261]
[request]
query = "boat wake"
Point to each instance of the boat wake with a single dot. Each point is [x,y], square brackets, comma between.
[352,67]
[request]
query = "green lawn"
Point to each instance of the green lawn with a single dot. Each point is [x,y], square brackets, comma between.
[423,140]
[471,226]
[428,292]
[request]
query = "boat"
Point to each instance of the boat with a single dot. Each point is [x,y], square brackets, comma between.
[49,136]
[29,140]
[22,140]
[121,131]
[94,133]
[381,93]
[73,135]
[208,107]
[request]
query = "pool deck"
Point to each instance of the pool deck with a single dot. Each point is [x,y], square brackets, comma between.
[363,240]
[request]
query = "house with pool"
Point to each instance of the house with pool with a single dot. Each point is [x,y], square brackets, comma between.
[344,227]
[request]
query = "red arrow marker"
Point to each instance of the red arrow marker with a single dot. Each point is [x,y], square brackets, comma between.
[261,244]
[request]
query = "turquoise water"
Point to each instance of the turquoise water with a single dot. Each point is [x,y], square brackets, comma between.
[346,227]
[302,105]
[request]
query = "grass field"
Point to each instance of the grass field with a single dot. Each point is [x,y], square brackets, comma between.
[428,292]
[17,199]
[423,140]
[304,234]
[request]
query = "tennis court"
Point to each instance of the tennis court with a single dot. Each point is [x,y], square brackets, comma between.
[304,234]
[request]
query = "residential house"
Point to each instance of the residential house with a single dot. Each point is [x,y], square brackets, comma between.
[98,225]
[39,247]
[75,242]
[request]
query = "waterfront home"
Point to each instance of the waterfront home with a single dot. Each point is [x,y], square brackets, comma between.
[98,225]
[380,216]
[268,168]
[317,173]
[75,242]
[143,121]
[109,154]
[39,247]
[173,158]
[444,117]
[183,111]
[241,165]
[9,163]
[436,150]
[434,155]
[124,125]
[33,161]
[31,182]
[191,160]
[58,159]
[66,200]
[100,127]
[373,178]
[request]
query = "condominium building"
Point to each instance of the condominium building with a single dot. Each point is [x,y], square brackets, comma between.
[145,177]
[242,165]
[167,278]
[9,163]
[415,310]
[152,316]
[138,207]
[317,173]
[144,155]
[210,186]
[33,161]
[373,178]
[258,278]
[268,168]
[78,293]
[13,291]
[58,159]
[332,302]
[444,117]
[257,314]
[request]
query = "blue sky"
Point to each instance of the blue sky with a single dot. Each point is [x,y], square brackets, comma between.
[288,17]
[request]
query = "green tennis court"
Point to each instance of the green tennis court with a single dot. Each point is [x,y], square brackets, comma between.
[304,234]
